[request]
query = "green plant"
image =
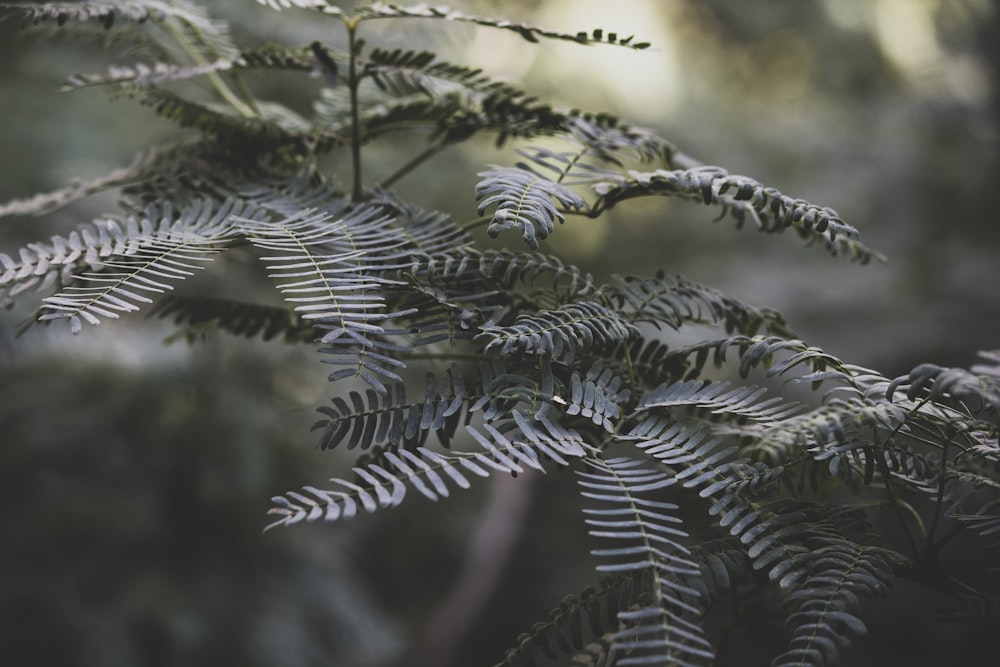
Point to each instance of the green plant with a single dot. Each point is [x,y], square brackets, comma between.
[529,362]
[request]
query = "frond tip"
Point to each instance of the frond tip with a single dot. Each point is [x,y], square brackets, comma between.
[665,630]
[524,201]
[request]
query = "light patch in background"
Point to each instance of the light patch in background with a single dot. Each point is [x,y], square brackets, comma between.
[849,14]
[905,31]
[907,36]
[648,82]
[500,53]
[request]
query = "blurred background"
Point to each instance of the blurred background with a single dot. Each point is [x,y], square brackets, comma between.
[134,475]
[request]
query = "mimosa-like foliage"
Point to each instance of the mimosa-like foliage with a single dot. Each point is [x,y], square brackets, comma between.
[616,380]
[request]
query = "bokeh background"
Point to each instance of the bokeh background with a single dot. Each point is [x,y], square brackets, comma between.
[134,475]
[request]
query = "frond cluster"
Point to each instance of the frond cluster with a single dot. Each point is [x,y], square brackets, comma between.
[457,362]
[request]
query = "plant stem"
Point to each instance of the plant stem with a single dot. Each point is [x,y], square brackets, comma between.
[886,475]
[357,191]
[939,500]
[422,157]
[241,107]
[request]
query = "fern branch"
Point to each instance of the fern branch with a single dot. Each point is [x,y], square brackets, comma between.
[384,483]
[720,398]
[675,301]
[660,632]
[42,204]
[530,33]
[770,210]
[523,200]
[705,463]
[826,617]
[198,316]
[118,264]
[561,333]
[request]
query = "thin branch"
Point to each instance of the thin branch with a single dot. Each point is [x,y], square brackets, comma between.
[419,159]
[241,107]
[357,191]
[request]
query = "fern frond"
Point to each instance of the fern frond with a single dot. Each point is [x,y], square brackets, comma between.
[125,261]
[978,390]
[592,612]
[105,13]
[384,483]
[184,18]
[770,210]
[841,573]
[199,315]
[706,463]
[330,269]
[560,333]
[531,33]
[503,268]
[665,630]
[720,398]
[229,128]
[675,301]
[598,396]
[374,419]
[143,75]
[42,204]
[404,72]
[270,57]
[319,5]
[524,200]
[335,260]
[763,351]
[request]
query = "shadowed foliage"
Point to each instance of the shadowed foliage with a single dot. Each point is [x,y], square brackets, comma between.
[704,479]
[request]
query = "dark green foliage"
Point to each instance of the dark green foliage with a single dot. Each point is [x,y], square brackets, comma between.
[462,362]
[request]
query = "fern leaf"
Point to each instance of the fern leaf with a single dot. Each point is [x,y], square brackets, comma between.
[384,483]
[663,631]
[105,13]
[594,611]
[201,315]
[325,265]
[318,5]
[380,485]
[404,73]
[977,389]
[720,398]
[373,419]
[770,210]
[52,201]
[332,265]
[705,463]
[598,396]
[826,616]
[523,200]
[675,301]
[210,36]
[127,263]
[503,269]
[561,333]
[145,76]
[229,128]
[531,33]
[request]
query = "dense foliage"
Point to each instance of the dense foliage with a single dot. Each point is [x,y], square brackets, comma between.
[709,484]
